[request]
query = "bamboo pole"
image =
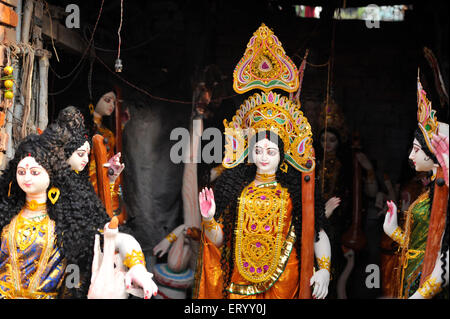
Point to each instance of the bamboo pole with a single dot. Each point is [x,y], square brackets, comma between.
[307,236]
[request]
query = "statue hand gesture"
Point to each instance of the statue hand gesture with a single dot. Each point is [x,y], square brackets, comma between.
[115,167]
[207,203]
[320,280]
[390,220]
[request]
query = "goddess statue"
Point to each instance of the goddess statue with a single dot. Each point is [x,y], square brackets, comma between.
[257,222]
[413,237]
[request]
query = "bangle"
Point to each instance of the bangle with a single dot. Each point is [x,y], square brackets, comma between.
[429,288]
[134,258]
[171,237]
[398,236]
[324,262]
[209,224]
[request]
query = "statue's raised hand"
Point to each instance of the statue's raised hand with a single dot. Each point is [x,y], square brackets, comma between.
[207,203]
[115,167]
[390,220]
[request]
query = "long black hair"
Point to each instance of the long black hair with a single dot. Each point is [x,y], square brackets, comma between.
[230,186]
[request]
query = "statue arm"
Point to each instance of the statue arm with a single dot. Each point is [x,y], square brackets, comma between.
[131,254]
[321,278]
[163,246]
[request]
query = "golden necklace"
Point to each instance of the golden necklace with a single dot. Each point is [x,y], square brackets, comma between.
[265,178]
[35,206]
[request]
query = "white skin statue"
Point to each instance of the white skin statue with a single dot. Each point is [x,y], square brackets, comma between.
[422,163]
[266,156]
[105,107]
[105,282]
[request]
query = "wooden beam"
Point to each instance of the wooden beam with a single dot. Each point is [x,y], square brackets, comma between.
[8,16]
[68,38]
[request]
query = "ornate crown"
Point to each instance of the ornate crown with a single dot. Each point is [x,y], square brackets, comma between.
[426,116]
[265,66]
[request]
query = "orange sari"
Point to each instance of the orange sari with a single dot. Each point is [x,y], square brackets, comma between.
[265,263]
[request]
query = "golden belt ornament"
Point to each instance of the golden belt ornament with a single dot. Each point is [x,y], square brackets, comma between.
[259,238]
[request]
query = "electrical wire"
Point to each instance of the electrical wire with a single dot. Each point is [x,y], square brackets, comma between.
[120,28]
[85,51]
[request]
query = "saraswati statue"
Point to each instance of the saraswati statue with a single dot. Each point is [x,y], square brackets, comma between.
[262,224]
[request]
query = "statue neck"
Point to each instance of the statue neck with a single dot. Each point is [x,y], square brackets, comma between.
[39,198]
[97,118]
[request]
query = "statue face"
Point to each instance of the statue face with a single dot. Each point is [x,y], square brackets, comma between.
[266,155]
[332,142]
[32,177]
[422,162]
[79,159]
[106,105]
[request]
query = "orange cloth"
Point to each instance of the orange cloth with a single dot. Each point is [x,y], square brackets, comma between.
[106,133]
[210,279]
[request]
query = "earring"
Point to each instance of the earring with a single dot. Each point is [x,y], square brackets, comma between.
[53,194]
[9,189]
[284,167]
[91,108]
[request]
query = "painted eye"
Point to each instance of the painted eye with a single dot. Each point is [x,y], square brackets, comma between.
[35,172]
[80,154]
[21,172]
[258,151]
[272,152]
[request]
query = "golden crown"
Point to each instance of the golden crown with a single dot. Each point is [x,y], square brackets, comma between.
[426,116]
[268,110]
[265,65]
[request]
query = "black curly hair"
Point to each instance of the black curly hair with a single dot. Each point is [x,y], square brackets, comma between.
[72,119]
[230,186]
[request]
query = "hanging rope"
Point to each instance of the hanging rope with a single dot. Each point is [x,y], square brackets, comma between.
[330,80]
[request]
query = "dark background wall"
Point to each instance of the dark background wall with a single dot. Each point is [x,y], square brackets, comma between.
[374,69]
[166,45]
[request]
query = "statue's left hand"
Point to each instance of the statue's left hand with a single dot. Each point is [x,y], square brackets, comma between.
[138,276]
[320,280]
[116,166]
